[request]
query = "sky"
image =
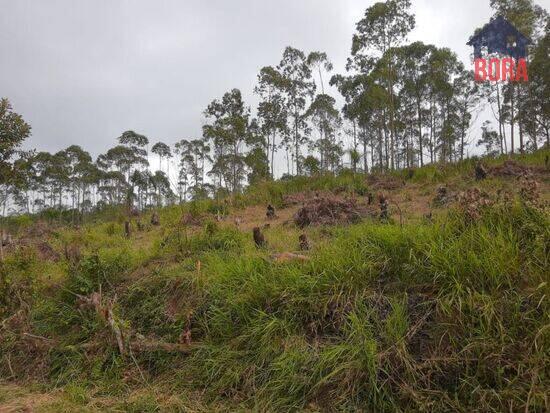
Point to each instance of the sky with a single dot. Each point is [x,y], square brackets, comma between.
[82,72]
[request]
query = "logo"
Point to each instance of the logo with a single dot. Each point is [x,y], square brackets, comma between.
[507,50]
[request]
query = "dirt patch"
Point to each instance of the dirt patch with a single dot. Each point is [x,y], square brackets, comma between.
[329,211]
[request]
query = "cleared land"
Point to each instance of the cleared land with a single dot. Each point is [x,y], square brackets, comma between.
[443,306]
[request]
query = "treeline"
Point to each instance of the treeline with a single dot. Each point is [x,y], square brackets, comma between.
[406,104]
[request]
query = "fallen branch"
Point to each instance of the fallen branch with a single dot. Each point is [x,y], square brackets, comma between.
[105,311]
[138,345]
[288,256]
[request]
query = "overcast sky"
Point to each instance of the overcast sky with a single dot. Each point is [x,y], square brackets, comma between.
[82,72]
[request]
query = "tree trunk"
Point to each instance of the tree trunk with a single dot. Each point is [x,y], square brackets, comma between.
[297,144]
[419,110]
[521,146]
[512,119]
[364,154]
[355,147]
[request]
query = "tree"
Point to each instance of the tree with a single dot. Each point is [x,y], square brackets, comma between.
[532,21]
[227,130]
[13,131]
[272,111]
[137,144]
[256,159]
[193,156]
[350,88]
[319,60]
[297,87]
[537,100]
[327,120]
[489,139]
[161,186]
[133,139]
[163,151]
[384,26]
[79,165]
[312,165]
[466,98]
[443,66]
[412,67]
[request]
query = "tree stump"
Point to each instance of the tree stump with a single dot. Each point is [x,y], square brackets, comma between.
[304,242]
[270,214]
[127,229]
[155,219]
[384,206]
[259,238]
[480,171]
[370,198]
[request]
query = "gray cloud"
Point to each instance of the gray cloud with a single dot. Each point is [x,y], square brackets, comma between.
[81,72]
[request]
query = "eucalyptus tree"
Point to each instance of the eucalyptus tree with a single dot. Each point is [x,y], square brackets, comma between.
[22,182]
[134,140]
[193,155]
[227,131]
[78,163]
[183,183]
[349,88]
[89,176]
[407,152]
[112,186]
[537,101]
[442,68]
[298,87]
[327,120]
[160,184]
[138,145]
[41,164]
[272,110]
[163,151]
[467,101]
[53,174]
[140,180]
[320,61]
[532,21]
[256,159]
[412,69]
[116,164]
[384,26]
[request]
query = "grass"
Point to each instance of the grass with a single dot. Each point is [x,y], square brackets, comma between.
[450,315]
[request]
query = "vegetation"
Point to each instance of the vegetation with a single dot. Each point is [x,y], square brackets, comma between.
[446,314]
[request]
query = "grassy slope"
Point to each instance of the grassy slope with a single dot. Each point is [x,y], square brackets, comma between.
[450,315]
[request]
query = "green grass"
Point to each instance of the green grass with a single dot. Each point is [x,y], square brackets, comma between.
[445,316]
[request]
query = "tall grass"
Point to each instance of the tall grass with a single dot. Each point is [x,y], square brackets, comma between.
[443,316]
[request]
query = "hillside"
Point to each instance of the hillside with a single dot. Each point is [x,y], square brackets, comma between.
[442,305]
